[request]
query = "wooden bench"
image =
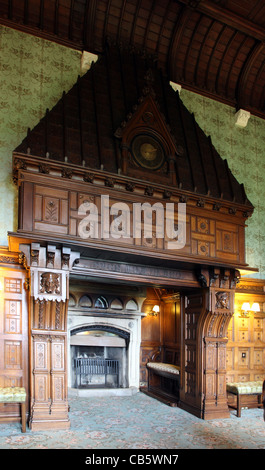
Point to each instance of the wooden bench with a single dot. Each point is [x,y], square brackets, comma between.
[163,382]
[243,389]
[15,395]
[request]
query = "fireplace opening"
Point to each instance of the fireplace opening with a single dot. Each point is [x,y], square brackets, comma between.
[104,331]
[99,358]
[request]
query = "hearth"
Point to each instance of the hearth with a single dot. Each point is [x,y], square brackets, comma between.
[88,370]
[98,366]
[104,338]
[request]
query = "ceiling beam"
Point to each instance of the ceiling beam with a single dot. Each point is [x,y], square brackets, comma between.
[227,16]
[176,39]
[243,80]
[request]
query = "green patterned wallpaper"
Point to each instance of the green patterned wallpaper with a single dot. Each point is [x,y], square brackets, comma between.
[244,149]
[34,73]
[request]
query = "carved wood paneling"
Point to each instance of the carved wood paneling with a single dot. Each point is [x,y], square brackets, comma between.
[49,370]
[193,309]
[13,335]
[50,208]
[210,235]
[13,316]
[246,337]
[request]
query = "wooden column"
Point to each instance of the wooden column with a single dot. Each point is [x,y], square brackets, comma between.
[206,316]
[49,292]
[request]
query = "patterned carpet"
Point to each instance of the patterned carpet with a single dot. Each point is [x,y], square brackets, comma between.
[139,422]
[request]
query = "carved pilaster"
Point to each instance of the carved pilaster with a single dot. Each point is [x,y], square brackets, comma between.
[206,319]
[49,289]
[214,335]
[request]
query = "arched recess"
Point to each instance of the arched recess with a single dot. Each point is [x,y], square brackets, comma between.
[72,301]
[101,302]
[105,328]
[85,301]
[116,304]
[131,305]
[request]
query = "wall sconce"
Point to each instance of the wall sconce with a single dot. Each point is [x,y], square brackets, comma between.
[246,309]
[154,311]
[255,307]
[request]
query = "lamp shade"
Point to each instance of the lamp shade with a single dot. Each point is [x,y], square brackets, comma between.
[245,306]
[255,307]
[156,308]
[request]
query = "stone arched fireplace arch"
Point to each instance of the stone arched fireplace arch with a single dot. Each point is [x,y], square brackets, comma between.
[102,327]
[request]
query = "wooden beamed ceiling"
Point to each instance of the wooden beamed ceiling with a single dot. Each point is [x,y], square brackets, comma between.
[213,47]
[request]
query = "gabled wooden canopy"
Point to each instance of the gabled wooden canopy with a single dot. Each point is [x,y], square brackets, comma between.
[214,47]
[87,126]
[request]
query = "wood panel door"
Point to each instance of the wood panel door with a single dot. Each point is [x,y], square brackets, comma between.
[13,336]
[192,307]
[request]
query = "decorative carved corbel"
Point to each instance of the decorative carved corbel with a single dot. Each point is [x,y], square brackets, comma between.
[217,207]
[214,276]
[183,198]
[130,186]
[50,256]
[149,191]
[232,210]
[34,254]
[224,279]
[109,182]
[22,259]
[65,260]
[67,173]
[201,203]
[235,279]
[45,169]
[18,165]
[88,177]
[167,194]
[202,278]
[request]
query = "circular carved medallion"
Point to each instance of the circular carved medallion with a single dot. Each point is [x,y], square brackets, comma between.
[147,151]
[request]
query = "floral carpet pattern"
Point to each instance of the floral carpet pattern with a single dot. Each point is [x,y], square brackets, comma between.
[139,422]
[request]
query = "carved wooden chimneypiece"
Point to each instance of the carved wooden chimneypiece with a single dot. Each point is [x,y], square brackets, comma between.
[121,137]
